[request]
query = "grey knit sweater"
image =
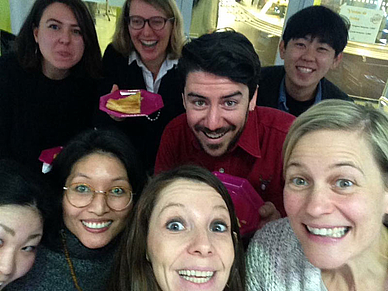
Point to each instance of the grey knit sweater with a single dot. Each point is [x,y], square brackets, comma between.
[275,261]
[51,271]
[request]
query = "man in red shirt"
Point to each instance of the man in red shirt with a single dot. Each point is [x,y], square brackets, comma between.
[223,129]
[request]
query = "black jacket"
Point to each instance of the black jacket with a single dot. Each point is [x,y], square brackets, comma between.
[38,113]
[269,86]
[144,134]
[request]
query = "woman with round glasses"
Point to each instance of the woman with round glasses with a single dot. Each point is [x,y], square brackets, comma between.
[143,55]
[96,179]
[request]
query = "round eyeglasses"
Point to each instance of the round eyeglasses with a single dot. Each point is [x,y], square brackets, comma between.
[81,195]
[155,22]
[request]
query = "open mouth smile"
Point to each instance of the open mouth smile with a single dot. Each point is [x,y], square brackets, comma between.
[335,232]
[214,135]
[96,225]
[304,70]
[198,277]
[149,43]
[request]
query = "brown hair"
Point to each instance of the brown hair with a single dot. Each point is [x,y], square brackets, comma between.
[29,55]
[132,271]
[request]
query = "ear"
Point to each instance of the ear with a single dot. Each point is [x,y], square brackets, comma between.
[336,61]
[252,103]
[282,49]
[184,101]
[35,33]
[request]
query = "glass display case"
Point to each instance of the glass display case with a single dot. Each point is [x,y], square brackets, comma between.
[363,72]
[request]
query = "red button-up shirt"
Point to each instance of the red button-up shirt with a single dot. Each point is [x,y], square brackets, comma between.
[256,156]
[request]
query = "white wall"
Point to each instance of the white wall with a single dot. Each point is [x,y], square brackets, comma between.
[19,10]
[185,6]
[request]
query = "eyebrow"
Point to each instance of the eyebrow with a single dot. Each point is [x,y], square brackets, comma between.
[56,20]
[223,207]
[76,175]
[7,229]
[171,205]
[234,94]
[336,165]
[32,236]
[347,164]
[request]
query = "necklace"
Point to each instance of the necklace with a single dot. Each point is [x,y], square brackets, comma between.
[66,251]
[153,119]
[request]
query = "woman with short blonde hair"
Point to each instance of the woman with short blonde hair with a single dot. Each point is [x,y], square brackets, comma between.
[336,198]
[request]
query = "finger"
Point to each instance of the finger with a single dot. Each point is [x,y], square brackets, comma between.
[267,209]
[114,88]
[116,118]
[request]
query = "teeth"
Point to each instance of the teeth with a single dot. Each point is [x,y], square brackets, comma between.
[96,225]
[198,277]
[336,232]
[214,135]
[149,42]
[305,70]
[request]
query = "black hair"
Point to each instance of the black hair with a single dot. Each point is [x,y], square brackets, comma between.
[223,53]
[20,186]
[318,22]
[29,55]
[110,142]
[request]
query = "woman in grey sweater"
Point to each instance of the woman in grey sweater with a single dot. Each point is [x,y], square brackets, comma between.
[336,199]
[95,180]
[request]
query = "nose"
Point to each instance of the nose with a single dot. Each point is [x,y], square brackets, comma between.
[65,36]
[213,118]
[98,205]
[147,30]
[201,244]
[319,201]
[7,262]
[309,53]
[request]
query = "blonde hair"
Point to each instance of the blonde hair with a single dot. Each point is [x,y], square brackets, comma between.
[122,40]
[384,243]
[343,115]
[332,114]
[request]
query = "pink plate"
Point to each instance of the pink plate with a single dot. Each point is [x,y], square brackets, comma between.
[48,156]
[245,199]
[150,102]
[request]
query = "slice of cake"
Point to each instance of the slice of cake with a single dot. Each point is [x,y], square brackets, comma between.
[129,104]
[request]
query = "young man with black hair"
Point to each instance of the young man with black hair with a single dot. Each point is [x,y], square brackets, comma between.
[223,129]
[311,45]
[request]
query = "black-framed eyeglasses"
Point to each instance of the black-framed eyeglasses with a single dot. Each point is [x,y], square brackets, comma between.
[155,22]
[81,195]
